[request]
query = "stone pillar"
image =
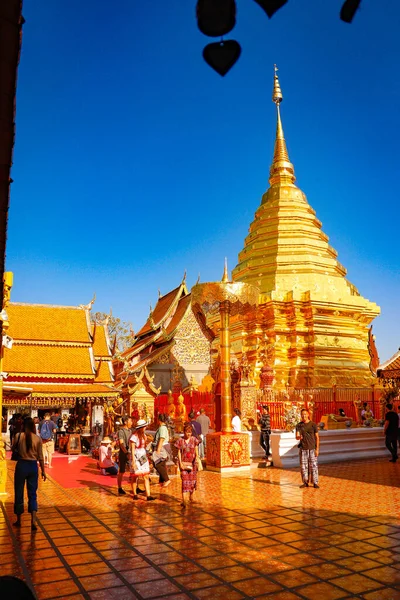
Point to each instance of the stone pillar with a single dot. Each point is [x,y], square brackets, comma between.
[225,354]
[227,451]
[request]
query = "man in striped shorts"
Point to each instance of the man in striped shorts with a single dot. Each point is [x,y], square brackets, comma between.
[307,433]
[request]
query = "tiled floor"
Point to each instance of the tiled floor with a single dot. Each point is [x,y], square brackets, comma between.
[247,536]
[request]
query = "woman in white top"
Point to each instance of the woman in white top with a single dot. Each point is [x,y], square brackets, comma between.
[160,453]
[140,466]
[236,422]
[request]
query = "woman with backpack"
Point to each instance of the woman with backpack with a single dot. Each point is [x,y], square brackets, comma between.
[27,451]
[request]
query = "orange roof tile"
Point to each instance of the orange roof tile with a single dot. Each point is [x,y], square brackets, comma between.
[48,323]
[53,361]
[104,375]
[100,346]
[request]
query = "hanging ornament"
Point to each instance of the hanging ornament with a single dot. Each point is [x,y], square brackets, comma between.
[216,17]
[349,9]
[271,6]
[221,56]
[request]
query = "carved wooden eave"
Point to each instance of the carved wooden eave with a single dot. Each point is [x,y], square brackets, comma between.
[143,381]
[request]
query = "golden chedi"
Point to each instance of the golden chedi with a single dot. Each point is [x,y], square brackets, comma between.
[312,323]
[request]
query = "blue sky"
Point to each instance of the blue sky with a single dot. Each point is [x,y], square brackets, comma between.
[135,161]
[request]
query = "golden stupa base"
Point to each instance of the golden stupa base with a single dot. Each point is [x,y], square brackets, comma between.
[228,452]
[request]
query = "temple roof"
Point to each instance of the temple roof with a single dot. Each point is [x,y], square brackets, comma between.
[103,374]
[48,361]
[100,342]
[390,368]
[163,309]
[155,338]
[48,322]
[53,343]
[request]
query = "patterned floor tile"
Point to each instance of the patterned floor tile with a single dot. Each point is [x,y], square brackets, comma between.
[236,541]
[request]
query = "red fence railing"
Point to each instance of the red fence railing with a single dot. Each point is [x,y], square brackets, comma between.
[326,401]
[194,400]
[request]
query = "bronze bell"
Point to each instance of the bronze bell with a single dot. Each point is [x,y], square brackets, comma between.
[216,18]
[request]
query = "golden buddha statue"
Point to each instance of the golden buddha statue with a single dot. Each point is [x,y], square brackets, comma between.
[180,414]
[171,406]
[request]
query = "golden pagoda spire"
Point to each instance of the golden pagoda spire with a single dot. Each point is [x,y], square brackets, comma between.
[282,170]
[225,276]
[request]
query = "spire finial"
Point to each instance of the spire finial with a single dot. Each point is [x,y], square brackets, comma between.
[282,170]
[225,276]
[277,92]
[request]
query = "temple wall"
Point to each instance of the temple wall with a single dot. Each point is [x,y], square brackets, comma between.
[191,352]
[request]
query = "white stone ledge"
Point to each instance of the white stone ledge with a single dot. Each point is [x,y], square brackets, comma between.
[335,446]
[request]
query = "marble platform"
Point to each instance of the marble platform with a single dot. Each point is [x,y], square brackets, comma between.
[335,446]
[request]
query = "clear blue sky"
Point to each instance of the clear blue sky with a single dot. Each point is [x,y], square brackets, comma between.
[135,161]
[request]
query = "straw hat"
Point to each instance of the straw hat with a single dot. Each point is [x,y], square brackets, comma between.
[141,423]
[106,440]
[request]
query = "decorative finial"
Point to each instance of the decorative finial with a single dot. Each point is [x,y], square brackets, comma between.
[225,276]
[277,96]
[159,293]
[282,170]
[198,279]
[151,310]
[184,277]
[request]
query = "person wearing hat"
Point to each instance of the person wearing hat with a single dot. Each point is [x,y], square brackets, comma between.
[105,457]
[140,466]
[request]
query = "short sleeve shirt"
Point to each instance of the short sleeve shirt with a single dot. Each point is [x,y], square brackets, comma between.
[162,432]
[307,432]
[123,436]
[393,426]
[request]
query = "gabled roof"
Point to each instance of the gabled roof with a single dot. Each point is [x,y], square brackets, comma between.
[48,323]
[100,342]
[57,343]
[180,312]
[163,309]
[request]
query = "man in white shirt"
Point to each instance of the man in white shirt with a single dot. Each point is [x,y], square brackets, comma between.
[205,423]
[105,457]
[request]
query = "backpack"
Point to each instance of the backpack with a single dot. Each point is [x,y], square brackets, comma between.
[45,431]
